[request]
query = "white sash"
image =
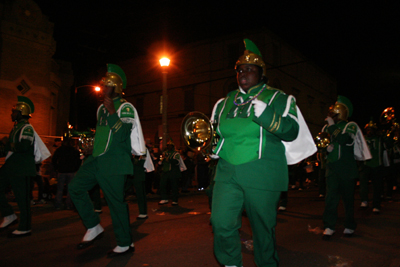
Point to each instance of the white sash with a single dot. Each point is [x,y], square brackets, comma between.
[303,146]
[40,149]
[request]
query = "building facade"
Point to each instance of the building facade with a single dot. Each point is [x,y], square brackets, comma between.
[203,72]
[27,68]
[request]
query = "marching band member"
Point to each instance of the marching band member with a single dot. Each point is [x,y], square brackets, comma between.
[171,173]
[118,132]
[19,168]
[347,145]
[257,125]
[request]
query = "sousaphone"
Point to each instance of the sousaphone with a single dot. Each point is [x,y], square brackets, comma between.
[198,132]
[322,140]
[388,121]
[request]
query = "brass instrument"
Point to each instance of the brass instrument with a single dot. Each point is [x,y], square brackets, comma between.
[198,132]
[388,120]
[84,140]
[322,140]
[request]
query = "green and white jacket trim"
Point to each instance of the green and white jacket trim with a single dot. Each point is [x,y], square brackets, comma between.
[361,150]
[300,148]
[27,132]
[125,116]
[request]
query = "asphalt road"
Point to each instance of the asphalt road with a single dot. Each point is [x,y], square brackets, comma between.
[182,237]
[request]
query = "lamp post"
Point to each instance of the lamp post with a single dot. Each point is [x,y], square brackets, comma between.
[97,89]
[164,62]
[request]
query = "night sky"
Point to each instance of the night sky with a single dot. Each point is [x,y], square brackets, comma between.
[356,44]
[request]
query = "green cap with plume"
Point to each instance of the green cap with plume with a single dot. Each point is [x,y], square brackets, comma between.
[251,56]
[347,103]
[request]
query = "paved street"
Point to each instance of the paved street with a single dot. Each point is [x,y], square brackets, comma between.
[182,237]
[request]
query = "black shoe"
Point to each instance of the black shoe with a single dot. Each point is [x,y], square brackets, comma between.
[12,235]
[112,254]
[85,244]
[142,217]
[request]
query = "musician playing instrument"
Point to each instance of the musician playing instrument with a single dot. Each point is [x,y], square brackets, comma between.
[252,122]
[391,159]
[109,164]
[171,173]
[372,169]
[347,144]
[18,169]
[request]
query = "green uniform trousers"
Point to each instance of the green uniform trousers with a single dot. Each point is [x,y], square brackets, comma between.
[112,186]
[229,200]
[21,186]
[375,175]
[341,182]
[140,190]
[172,178]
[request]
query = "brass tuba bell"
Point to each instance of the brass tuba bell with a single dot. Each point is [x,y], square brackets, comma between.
[82,139]
[197,131]
[388,120]
[322,140]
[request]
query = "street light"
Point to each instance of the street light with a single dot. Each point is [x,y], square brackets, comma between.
[164,62]
[97,89]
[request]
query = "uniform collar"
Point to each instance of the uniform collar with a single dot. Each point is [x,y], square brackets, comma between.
[22,121]
[252,90]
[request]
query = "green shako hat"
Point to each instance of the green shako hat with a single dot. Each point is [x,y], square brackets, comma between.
[251,47]
[347,103]
[251,56]
[24,105]
[112,68]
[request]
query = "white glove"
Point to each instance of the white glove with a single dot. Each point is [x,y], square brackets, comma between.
[330,121]
[259,107]
[213,156]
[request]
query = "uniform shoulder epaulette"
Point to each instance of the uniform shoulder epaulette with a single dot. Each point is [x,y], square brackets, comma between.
[275,89]
[351,127]
[127,110]
[27,132]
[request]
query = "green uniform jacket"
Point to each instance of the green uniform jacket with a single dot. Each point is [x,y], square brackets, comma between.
[112,143]
[22,160]
[172,165]
[341,158]
[376,148]
[256,143]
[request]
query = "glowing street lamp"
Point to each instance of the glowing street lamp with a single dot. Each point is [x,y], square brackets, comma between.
[97,89]
[164,62]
